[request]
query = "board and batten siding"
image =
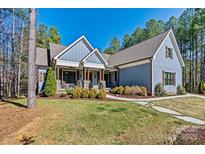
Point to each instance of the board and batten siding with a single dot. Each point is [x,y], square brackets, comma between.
[161,63]
[136,75]
[76,53]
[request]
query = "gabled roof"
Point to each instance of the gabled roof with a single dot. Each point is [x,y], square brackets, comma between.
[55,49]
[73,44]
[105,56]
[140,51]
[98,55]
[42,57]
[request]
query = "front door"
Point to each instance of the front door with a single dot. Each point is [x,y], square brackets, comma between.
[69,76]
[106,78]
[91,77]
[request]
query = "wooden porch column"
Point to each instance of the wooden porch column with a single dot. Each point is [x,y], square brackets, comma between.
[84,74]
[103,75]
[88,74]
[100,76]
[57,72]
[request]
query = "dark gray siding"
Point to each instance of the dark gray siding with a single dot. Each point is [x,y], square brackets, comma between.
[136,75]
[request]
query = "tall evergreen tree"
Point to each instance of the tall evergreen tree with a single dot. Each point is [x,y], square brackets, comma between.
[114,46]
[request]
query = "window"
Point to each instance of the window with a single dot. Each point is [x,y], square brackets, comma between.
[169,53]
[42,76]
[116,76]
[169,78]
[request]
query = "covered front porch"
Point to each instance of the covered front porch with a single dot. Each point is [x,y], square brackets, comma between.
[68,77]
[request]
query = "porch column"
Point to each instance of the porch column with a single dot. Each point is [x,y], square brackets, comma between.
[84,74]
[57,72]
[88,74]
[103,71]
[100,76]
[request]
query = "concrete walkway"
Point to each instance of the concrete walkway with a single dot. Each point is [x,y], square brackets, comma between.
[144,102]
[153,99]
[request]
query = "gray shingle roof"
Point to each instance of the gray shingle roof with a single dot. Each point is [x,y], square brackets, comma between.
[105,56]
[41,57]
[55,49]
[142,50]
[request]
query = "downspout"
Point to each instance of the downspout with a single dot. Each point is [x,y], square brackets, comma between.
[151,76]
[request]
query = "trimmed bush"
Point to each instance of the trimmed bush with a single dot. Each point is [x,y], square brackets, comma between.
[133,90]
[118,90]
[202,87]
[50,88]
[181,90]
[114,90]
[101,94]
[85,93]
[63,94]
[101,85]
[159,90]
[92,93]
[69,91]
[144,90]
[77,92]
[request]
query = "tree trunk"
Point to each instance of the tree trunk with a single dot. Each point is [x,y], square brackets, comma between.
[31,100]
[20,56]
[13,56]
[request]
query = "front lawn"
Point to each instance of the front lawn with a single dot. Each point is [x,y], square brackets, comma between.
[61,121]
[191,106]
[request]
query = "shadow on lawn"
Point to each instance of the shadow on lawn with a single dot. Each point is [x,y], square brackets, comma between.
[14,103]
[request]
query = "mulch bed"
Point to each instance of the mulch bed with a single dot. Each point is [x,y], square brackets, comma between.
[70,98]
[134,97]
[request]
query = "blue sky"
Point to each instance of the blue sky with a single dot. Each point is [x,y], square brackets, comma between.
[100,25]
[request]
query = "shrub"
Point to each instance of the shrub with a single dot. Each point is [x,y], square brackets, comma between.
[77,92]
[202,87]
[69,91]
[85,93]
[144,90]
[159,90]
[188,135]
[101,85]
[188,87]
[50,88]
[133,90]
[181,90]
[92,93]
[101,94]
[114,90]
[63,94]
[118,90]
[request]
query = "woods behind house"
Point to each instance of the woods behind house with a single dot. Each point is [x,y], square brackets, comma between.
[189,30]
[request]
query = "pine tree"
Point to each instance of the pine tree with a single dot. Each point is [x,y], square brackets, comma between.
[50,88]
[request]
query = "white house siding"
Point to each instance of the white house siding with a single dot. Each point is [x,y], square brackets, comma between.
[94,59]
[161,63]
[77,52]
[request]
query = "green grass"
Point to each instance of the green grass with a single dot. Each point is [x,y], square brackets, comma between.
[191,106]
[97,122]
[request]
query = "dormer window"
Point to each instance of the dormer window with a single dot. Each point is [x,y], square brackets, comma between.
[169,53]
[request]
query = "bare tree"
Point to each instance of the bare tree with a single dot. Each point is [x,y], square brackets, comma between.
[31,100]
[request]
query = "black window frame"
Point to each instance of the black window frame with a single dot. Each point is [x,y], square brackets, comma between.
[169,78]
[169,53]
